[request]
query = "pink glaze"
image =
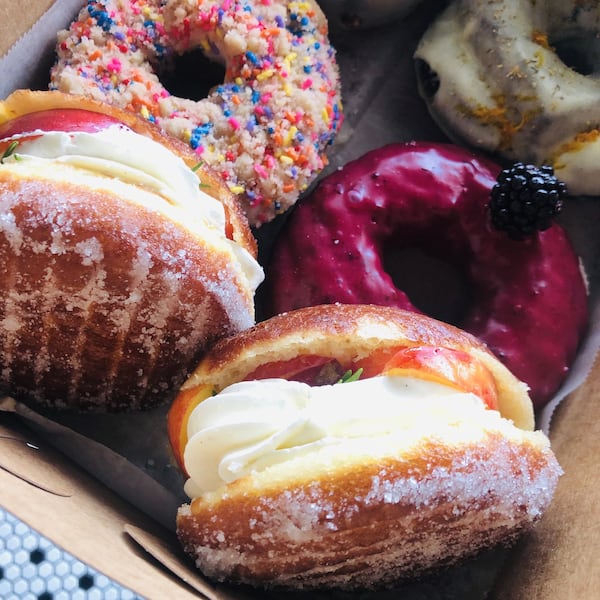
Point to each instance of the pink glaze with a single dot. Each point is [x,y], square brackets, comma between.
[529,299]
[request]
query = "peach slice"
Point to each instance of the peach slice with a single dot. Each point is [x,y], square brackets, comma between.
[57,119]
[451,367]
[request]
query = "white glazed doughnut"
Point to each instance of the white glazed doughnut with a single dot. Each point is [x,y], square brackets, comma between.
[265,129]
[493,80]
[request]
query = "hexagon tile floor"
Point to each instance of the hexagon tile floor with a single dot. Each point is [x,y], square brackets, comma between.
[33,568]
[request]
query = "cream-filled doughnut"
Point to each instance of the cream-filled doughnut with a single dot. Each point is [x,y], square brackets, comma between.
[351,446]
[121,264]
[492,78]
[265,129]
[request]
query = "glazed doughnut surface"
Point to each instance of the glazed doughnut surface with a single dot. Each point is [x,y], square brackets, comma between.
[265,129]
[492,79]
[527,299]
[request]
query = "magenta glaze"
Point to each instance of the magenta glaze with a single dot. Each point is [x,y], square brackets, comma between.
[57,119]
[529,298]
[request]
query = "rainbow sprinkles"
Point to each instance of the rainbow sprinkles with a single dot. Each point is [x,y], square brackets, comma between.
[265,129]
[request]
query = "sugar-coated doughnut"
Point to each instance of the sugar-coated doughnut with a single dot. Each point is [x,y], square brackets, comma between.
[265,129]
[527,298]
[493,79]
[120,264]
[301,481]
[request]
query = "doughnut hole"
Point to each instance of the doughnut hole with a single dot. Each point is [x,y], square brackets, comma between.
[434,286]
[191,75]
[351,21]
[579,50]
[427,79]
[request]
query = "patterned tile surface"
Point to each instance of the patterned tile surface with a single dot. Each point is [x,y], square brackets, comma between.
[33,568]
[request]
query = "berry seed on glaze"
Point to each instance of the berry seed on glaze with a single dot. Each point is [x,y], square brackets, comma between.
[265,129]
[528,298]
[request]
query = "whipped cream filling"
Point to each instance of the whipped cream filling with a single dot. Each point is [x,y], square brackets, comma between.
[119,153]
[252,425]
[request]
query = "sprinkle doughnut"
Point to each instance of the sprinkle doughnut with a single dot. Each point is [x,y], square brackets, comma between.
[527,299]
[493,80]
[265,129]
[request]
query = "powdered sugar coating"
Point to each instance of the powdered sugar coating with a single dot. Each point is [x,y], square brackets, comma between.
[371,514]
[104,305]
[265,129]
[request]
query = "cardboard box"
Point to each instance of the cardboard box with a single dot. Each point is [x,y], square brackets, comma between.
[97,513]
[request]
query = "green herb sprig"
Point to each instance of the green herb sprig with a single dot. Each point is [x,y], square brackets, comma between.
[350,376]
[195,168]
[9,151]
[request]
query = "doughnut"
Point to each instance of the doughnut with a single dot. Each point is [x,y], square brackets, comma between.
[492,78]
[265,129]
[121,264]
[354,14]
[526,299]
[352,446]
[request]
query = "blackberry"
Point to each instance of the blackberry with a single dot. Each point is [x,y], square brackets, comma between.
[526,199]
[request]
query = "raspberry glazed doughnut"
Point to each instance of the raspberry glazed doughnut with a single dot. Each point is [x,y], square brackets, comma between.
[265,129]
[493,80]
[527,299]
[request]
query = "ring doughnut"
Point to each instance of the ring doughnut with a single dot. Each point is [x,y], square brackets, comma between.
[492,79]
[527,298]
[265,129]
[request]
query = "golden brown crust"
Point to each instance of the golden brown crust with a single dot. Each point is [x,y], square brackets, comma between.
[106,303]
[368,521]
[346,333]
[22,102]
[120,329]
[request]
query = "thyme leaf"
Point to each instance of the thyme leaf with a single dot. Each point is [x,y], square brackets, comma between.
[195,168]
[10,150]
[350,376]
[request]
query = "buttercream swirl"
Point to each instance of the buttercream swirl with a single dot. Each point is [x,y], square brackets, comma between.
[252,425]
